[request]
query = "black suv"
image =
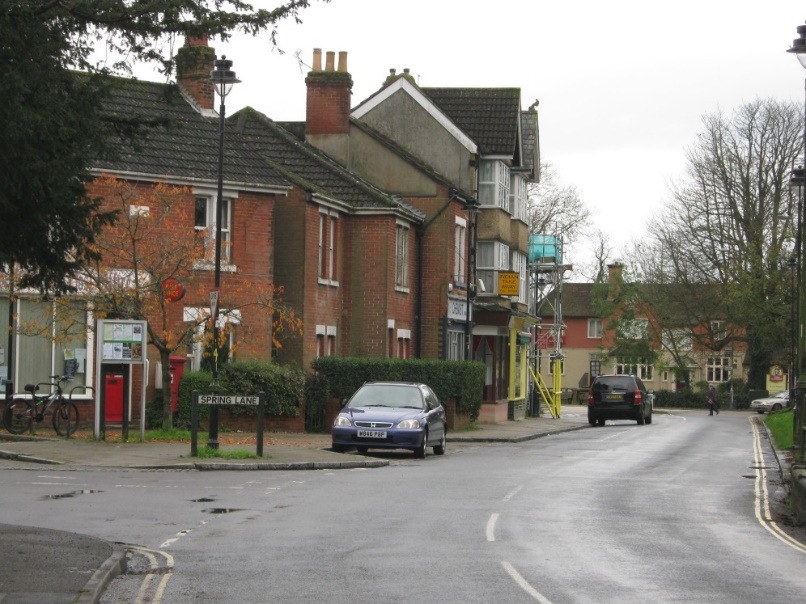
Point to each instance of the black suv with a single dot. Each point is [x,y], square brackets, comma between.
[619,397]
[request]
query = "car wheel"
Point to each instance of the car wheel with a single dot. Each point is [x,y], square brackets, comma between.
[760,411]
[421,451]
[338,448]
[362,449]
[440,448]
[601,421]
[641,419]
[776,407]
[591,418]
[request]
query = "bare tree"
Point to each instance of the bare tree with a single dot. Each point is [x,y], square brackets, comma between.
[595,269]
[555,208]
[730,228]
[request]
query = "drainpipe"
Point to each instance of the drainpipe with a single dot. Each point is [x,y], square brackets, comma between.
[420,234]
[418,316]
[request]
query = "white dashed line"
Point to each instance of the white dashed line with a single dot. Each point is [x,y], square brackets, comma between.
[512,493]
[491,527]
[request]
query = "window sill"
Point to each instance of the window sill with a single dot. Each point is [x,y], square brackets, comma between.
[328,282]
[206,265]
[402,290]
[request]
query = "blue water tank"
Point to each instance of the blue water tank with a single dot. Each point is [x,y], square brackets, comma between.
[545,249]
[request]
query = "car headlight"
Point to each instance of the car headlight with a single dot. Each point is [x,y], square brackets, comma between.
[409,424]
[341,421]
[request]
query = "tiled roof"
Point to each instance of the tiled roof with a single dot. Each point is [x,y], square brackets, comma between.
[184,144]
[530,143]
[577,300]
[488,115]
[311,169]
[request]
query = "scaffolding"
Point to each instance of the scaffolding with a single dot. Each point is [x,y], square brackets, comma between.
[546,272]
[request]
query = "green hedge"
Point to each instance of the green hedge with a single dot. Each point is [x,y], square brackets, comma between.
[284,388]
[688,399]
[462,380]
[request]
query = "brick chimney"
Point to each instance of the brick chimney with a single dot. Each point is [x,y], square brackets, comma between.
[194,62]
[615,279]
[329,91]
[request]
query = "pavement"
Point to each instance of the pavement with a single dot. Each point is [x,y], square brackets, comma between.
[57,563]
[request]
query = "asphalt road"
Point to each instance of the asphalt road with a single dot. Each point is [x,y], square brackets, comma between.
[673,511]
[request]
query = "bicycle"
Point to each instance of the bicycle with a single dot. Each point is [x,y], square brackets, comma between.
[20,413]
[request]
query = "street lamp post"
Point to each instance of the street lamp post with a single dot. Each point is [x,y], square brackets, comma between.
[729,355]
[799,50]
[792,264]
[223,79]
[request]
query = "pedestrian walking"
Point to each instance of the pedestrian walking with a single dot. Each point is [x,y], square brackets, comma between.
[713,404]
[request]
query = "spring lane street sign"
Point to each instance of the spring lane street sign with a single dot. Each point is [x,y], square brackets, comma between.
[196,399]
[228,399]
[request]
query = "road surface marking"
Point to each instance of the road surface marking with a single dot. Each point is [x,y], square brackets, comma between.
[159,591]
[762,506]
[523,584]
[491,527]
[512,493]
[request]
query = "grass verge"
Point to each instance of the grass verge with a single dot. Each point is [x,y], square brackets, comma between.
[209,453]
[781,424]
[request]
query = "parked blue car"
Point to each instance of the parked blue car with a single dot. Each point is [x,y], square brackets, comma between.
[391,415]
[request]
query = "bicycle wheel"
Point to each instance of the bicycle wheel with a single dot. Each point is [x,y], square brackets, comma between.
[18,416]
[65,418]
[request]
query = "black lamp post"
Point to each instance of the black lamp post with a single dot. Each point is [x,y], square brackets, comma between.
[792,264]
[799,50]
[223,79]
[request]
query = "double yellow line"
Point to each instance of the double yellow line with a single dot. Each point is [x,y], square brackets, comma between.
[762,496]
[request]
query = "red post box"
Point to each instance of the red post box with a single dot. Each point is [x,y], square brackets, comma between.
[177,368]
[113,397]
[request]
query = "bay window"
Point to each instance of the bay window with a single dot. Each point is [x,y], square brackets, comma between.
[494,183]
[491,257]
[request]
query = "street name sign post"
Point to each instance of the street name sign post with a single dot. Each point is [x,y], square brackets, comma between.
[197,399]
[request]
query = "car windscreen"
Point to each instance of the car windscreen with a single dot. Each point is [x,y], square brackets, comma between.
[387,396]
[613,383]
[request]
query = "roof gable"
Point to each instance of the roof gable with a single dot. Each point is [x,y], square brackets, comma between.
[404,86]
[491,116]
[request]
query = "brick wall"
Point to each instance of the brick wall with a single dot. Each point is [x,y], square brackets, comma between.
[251,253]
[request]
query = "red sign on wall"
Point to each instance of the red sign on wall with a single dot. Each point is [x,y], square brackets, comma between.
[173,290]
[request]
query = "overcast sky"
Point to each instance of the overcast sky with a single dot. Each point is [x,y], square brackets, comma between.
[622,85]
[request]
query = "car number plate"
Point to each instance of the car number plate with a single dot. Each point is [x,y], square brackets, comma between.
[615,397]
[371,434]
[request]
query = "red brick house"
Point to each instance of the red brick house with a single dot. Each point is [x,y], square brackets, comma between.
[464,157]
[591,346]
[439,288]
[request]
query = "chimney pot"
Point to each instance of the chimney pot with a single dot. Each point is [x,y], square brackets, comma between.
[330,58]
[192,40]
[342,61]
[317,59]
